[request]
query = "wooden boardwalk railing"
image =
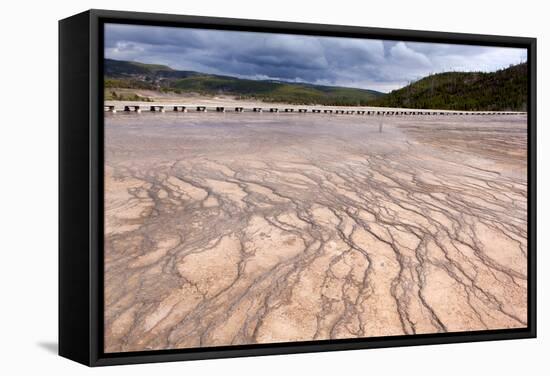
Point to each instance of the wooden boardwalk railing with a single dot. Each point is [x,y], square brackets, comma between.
[314,110]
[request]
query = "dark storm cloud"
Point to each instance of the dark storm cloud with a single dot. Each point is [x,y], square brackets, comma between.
[372,64]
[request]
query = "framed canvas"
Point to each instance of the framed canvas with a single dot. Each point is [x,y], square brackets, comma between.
[236,187]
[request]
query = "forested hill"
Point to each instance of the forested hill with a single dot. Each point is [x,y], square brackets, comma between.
[134,75]
[503,90]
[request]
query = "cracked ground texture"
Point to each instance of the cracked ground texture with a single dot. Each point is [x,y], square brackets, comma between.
[227,229]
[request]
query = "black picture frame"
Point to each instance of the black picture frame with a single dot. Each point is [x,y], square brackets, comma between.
[81,187]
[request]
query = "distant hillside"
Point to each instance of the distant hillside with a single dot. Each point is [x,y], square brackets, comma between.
[133,75]
[502,90]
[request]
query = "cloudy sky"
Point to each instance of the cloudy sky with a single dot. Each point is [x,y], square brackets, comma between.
[369,64]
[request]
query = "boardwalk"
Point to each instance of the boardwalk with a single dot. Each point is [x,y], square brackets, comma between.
[112,106]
